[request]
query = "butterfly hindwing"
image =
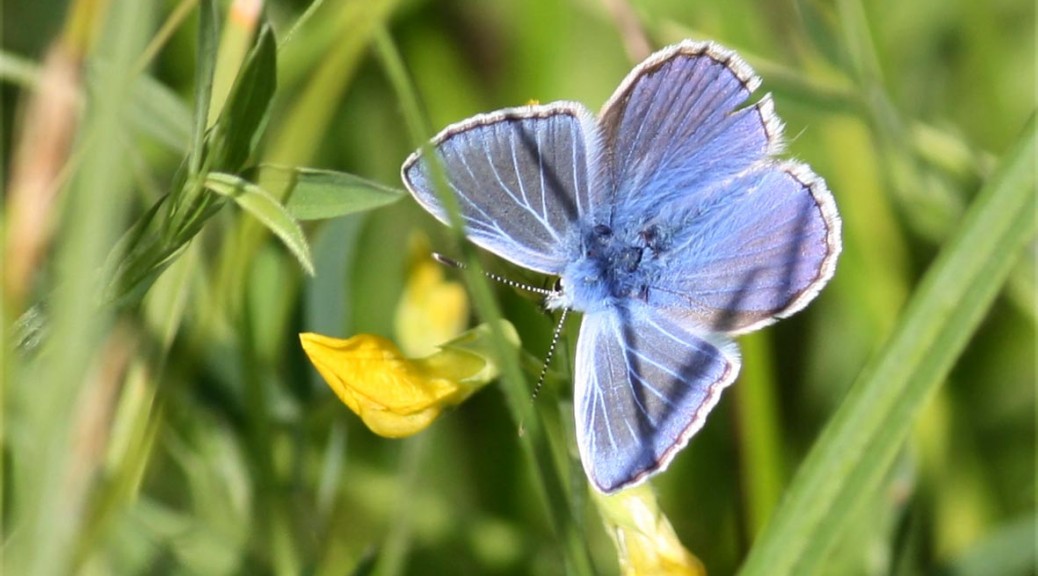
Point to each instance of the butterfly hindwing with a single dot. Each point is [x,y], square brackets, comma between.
[643,386]
[520,177]
[761,250]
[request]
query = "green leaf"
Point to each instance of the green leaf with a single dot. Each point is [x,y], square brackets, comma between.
[245,115]
[267,210]
[207,44]
[318,194]
[858,446]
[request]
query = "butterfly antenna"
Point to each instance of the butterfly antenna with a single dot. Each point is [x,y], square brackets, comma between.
[452,263]
[555,336]
[551,352]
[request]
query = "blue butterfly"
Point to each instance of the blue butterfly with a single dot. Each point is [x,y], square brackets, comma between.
[670,225]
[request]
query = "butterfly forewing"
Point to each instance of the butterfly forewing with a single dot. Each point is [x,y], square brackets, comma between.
[643,386]
[520,177]
[739,239]
[674,125]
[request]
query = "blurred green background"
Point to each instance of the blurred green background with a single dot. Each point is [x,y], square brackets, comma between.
[182,430]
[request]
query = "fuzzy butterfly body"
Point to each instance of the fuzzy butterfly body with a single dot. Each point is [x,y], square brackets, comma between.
[671,225]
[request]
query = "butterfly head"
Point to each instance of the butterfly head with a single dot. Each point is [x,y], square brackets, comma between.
[557,298]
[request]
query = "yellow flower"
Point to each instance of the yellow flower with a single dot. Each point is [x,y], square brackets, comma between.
[432,310]
[396,396]
[645,541]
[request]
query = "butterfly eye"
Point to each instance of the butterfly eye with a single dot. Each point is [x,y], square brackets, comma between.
[602,230]
[651,239]
[649,235]
[557,287]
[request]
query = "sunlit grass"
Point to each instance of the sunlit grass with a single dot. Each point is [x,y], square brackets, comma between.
[170,180]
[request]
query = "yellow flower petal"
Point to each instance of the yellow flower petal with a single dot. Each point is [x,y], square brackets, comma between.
[645,541]
[396,396]
[432,310]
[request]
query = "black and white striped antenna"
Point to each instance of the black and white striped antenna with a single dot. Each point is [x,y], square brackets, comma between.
[556,334]
[452,263]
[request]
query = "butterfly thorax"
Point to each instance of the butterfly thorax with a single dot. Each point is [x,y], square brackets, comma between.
[611,263]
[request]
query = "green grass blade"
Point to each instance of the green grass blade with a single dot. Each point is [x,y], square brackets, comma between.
[267,210]
[208,31]
[54,448]
[18,70]
[858,446]
[760,431]
[1008,550]
[319,194]
[237,41]
[303,126]
[156,110]
[159,113]
[535,442]
[244,117]
[928,208]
